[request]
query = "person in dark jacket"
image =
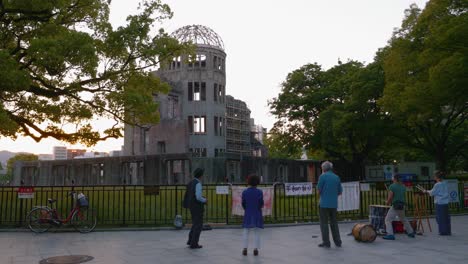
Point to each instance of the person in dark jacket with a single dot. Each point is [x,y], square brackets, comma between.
[194,201]
[252,202]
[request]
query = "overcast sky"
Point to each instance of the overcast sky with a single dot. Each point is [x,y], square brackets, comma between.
[266,39]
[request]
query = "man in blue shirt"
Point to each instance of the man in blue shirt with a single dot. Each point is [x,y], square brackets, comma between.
[441,200]
[329,188]
[194,201]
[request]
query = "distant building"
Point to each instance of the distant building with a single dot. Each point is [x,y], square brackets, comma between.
[45,157]
[60,153]
[115,153]
[72,153]
[257,136]
[237,127]
[196,116]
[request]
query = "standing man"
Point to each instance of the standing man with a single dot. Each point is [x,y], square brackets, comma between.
[396,198]
[194,201]
[441,200]
[329,188]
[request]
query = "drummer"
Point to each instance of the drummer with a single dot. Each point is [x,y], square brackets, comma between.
[396,198]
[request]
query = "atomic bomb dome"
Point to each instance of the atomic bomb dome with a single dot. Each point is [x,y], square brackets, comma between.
[200,35]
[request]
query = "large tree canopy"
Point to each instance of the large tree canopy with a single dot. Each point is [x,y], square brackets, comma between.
[426,71]
[62,64]
[334,111]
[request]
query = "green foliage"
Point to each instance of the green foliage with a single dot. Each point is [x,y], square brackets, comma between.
[426,79]
[333,112]
[62,63]
[282,146]
[19,157]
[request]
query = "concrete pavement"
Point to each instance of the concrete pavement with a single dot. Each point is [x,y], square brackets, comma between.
[296,244]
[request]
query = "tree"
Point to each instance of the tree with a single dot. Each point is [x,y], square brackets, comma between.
[426,79]
[62,65]
[280,145]
[19,157]
[334,111]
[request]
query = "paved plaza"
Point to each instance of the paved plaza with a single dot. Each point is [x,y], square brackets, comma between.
[294,244]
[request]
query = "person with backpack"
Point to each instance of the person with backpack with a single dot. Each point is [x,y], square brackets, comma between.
[194,201]
[252,202]
[396,198]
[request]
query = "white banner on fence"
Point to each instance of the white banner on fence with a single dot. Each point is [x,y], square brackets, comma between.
[237,200]
[349,199]
[453,191]
[224,190]
[298,188]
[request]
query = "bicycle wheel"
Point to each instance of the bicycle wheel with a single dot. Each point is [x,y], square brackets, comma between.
[39,220]
[84,220]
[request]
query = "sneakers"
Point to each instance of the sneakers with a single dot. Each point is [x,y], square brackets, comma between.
[412,235]
[389,237]
[324,245]
[244,252]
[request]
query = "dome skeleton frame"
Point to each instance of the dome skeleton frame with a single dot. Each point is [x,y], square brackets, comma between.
[200,35]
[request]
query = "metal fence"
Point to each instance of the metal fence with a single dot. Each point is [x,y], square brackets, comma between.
[157,205]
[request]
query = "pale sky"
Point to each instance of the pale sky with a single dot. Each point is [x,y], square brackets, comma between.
[265,40]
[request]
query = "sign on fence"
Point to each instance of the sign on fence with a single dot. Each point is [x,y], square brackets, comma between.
[298,188]
[224,190]
[349,199]
[25,192]
[453,191]
[365,187]
[237,200]
[466,194]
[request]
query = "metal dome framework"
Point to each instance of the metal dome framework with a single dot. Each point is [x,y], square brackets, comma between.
[200,35]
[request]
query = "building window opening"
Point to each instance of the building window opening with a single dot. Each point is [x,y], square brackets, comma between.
[161,147]
[176,62]
[215,93]
[218,94]
[219,152]
[172,107]
[197,91]
[198,152]
[197,124]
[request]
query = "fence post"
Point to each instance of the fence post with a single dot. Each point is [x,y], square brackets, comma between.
[361,206]
[275,213]
[227,209]
[21,207]
[124,201]
[73,195]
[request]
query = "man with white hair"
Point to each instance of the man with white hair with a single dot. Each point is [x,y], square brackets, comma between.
[329,188]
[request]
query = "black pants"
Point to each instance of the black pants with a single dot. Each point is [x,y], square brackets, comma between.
[329,214]
[443,219]
[197,225]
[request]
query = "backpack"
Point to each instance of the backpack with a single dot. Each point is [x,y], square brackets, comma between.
[178,222]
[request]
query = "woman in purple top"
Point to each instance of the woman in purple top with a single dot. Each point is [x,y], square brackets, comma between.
[252,202]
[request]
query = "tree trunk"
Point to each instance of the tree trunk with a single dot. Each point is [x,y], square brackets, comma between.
[441,160]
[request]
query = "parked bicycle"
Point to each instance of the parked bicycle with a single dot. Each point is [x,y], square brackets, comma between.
[81,217]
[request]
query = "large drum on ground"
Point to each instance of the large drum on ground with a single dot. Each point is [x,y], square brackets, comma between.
[377,215]
[364,233]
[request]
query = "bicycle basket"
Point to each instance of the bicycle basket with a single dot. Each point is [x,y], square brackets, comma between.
[82,201]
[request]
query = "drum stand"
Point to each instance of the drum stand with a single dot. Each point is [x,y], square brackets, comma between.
[420,213]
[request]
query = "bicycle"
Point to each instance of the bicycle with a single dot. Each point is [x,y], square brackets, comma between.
[81,217]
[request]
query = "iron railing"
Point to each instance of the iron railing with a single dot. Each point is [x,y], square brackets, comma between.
[157,205]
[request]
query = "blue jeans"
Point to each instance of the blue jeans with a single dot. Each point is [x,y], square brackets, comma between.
[443,219]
